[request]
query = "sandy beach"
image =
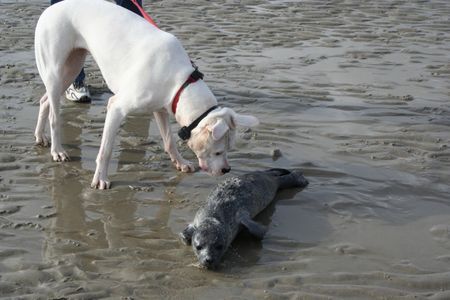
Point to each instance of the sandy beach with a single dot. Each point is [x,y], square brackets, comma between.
[355,93]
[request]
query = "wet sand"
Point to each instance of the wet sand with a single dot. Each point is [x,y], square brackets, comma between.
[354,92]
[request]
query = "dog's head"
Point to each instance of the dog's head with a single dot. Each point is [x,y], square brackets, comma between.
[214,137]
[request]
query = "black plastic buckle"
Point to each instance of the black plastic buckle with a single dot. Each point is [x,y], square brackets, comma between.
[184,133]
[196,75]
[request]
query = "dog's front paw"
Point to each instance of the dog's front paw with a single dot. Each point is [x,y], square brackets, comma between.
[60,156]
[100,184]
[184,166]
[42,141]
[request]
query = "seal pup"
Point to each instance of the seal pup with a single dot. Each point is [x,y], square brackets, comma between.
[231,206]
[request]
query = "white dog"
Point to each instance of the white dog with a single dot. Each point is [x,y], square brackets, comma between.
[145,68]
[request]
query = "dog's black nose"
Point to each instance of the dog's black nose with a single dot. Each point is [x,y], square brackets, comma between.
[226,170]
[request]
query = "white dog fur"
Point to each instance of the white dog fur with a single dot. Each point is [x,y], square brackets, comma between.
[143,67]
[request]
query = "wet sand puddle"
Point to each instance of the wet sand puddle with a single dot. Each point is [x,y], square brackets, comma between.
[353,92]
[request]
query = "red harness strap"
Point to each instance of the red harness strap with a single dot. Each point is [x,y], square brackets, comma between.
[144,14]
[195,76]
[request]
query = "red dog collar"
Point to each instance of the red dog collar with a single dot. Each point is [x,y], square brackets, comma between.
[195,76]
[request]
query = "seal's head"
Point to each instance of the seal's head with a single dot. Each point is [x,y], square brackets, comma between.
[209,241]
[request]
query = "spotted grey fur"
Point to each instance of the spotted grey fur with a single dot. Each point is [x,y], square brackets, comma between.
[231,206]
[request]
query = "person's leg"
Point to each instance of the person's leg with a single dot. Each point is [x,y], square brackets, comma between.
[130,5]
[79,81]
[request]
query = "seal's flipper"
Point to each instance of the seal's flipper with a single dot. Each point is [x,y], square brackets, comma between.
[256,229]
[186,234]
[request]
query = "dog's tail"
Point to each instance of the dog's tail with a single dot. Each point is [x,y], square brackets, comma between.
[289,179]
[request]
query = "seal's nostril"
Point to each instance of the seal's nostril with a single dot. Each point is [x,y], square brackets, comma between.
[208,261]
[226,170]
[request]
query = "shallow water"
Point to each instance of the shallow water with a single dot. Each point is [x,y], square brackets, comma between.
[355,93]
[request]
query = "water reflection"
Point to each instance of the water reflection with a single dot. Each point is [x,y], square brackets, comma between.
[86,219]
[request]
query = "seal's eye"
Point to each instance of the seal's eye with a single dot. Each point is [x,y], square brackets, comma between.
[219,247]
[218,153]
[198,247]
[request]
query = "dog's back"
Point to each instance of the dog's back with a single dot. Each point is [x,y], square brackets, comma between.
[99,27]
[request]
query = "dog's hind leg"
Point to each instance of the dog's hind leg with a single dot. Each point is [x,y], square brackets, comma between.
[56,82]
[162,119]
[54,92]
[41,139]
[114,117]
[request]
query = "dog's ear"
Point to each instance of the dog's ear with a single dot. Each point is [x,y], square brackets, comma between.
[231,119]
[244,120]
[219,129]
[186,234]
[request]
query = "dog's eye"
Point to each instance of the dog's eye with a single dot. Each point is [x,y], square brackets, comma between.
[218,153]
[198,247]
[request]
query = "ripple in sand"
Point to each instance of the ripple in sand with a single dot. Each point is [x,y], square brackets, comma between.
[9,209]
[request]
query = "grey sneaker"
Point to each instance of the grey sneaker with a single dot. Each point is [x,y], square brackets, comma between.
[78,93]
